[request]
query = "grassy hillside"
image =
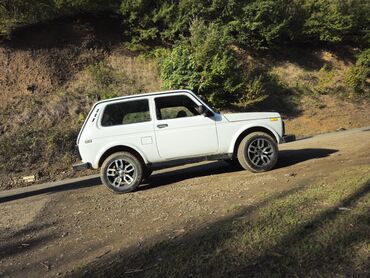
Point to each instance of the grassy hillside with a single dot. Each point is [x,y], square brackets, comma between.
[48,87]
[51,74]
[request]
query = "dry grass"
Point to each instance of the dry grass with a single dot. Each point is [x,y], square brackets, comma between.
[138,70]
[132,74]
[325,113]
[327,76]
[325,102]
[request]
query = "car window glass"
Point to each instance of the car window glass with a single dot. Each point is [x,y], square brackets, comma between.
[175,107]
[127,112]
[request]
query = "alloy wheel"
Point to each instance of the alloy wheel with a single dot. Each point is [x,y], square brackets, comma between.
[260,152]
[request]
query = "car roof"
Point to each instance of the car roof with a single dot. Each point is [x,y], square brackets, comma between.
[144,95]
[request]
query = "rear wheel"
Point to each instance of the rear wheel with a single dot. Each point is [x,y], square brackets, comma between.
[257,152]
[121,172]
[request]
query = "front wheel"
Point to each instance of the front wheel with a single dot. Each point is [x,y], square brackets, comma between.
[257,152]
[121,172]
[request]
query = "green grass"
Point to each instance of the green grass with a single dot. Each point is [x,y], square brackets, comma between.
[304,233]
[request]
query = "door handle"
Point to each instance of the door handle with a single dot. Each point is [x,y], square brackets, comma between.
[162,125]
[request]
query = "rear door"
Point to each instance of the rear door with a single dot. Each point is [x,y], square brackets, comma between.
[180,130]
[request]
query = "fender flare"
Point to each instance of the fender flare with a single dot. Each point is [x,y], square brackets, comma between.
[117,145]
[252,128]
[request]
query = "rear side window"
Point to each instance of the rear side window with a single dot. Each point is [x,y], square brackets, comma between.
[128,112]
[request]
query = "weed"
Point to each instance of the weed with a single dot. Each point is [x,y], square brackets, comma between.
[358,76]
[325,77]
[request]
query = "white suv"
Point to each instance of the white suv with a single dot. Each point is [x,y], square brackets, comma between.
[129,136]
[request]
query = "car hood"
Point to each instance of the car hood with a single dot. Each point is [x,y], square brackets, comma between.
[236,117]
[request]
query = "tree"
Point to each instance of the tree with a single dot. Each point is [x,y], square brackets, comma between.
[359,75]
[265,23]
[327,21]
[206,63]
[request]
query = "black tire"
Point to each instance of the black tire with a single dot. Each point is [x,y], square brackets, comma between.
[116,172]
[257,152]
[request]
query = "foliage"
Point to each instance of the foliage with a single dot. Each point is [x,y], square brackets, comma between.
[254,23]
[103,73]
[21,12]
[324,78]
[254,91]
[106,79]
[327,21]
[165,21]
[360,34]
[207,64]
[264,23]
[358,76]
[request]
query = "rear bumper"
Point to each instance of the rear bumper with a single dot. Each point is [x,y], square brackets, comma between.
[81,166]
[77,151]
[289,138]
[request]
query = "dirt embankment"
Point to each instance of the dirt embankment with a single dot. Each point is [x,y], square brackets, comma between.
[50,75]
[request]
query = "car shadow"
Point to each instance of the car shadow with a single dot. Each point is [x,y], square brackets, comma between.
[290,157]
[286,158]
[62,187]
[199,170]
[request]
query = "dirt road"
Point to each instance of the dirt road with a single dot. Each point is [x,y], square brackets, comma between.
[57,232]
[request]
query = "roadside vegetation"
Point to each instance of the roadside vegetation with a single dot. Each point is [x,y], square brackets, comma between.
[204,36]
[358,75]
[316,230]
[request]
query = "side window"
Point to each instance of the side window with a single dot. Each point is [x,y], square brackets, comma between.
[128,112]
[175,107]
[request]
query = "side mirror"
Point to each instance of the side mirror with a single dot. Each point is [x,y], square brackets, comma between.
[202,110]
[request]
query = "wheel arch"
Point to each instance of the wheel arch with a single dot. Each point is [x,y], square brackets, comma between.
[250,130]
[121,148]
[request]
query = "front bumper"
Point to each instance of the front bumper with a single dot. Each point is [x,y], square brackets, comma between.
[81,166]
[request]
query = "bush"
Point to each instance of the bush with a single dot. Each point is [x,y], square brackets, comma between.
[258,24]
[358,76]
[162,22]
[207,64]
[107,80]
[327,21]
[264,23]
[324,80]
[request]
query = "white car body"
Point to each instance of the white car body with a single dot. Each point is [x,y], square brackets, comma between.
[163,140]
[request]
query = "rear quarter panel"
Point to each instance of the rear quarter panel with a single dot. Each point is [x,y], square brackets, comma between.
[95,139]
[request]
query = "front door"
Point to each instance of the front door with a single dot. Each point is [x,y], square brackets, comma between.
[180,130]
